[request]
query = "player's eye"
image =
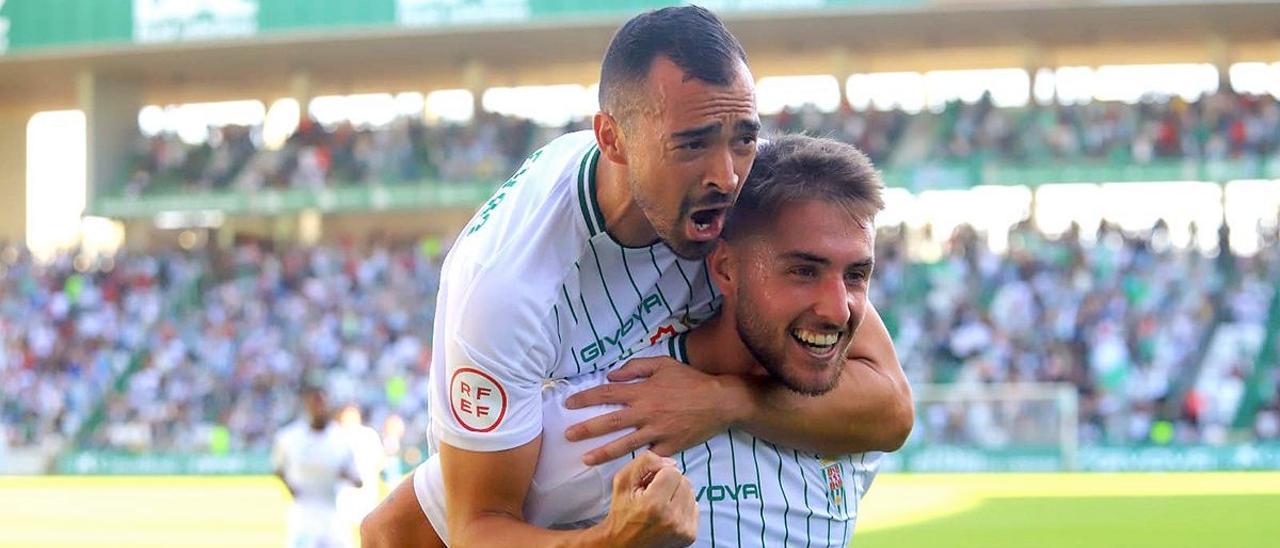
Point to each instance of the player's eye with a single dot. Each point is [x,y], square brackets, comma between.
[803,271]
[693,145]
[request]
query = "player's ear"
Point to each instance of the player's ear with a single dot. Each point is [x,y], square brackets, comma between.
[609,137]
[722,264]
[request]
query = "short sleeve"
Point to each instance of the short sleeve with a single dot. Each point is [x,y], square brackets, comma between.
[499,349]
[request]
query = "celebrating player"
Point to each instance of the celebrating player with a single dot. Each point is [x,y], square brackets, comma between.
[591,252]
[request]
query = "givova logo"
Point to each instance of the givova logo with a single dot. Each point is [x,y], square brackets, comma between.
[718,492]
[593,351]
[174,20]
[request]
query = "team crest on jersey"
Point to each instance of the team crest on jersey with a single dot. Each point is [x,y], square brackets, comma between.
[834,472]
[477,400]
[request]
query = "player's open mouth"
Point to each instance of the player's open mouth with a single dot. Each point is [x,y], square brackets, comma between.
[820,345]
[705,224]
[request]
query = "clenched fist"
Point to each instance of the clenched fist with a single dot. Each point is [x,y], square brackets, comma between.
[652,505]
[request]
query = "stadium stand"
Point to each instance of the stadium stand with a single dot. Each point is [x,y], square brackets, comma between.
[1215,126]
[1220,126]
[270,318]
[1120,318]
[316,156]
[1163,344]
[70,328]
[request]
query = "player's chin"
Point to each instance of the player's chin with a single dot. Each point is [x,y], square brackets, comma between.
[813,374]
[690,249]
[812,380]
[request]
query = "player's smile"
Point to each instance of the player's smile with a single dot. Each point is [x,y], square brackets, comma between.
[819,344]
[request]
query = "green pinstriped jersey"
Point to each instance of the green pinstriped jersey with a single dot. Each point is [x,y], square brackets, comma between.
[624,298]
[751,492]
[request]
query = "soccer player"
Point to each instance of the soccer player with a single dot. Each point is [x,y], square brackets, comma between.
[313,458]
[592,251]
[794,267]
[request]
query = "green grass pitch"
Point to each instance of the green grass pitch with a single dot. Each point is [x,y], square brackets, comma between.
[972,510]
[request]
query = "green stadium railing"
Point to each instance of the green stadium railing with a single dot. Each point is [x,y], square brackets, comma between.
[1260,387]
[424,195]
[980,171]
[1098,458]
[1188,371]
[118,463]
[1106,458]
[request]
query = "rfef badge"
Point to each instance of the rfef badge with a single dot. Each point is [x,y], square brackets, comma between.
[477,400]
[834,472]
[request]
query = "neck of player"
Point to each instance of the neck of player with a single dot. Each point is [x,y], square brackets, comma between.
[715,348]
[623,218]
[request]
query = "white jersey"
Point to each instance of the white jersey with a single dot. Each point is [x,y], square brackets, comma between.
[750,492]
[313,463]
[536,289]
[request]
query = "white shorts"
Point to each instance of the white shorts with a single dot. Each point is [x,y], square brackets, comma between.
[316,525]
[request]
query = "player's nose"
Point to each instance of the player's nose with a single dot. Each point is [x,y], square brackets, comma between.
[832,301]
[720,175]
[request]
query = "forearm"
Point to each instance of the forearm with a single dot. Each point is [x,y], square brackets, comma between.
[484,496]
[502,530]
[867,411]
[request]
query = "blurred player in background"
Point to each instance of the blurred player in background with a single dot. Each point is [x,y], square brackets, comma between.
[392,443]
[356,502]
[314,457]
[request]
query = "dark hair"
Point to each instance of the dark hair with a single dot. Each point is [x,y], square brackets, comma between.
[794,168]
[690,36]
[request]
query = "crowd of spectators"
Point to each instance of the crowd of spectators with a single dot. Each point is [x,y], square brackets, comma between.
[316,156]
[1219,126]
[1122,318]
[69,327]
[215,334]
[222,375]
[223,336]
